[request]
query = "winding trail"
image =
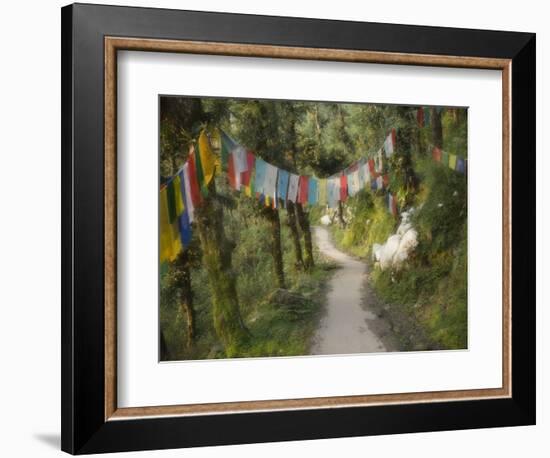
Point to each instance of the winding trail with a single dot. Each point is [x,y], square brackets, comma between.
[345,327]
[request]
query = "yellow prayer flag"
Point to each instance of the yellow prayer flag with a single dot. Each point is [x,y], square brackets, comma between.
[170,243]
[208,158]
[180,206]
[164,229]
[452,161]
[322,191]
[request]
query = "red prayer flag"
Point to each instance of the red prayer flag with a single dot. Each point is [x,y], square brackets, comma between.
[393,137]
[245,176]
[302,190]
[386,179]
[343,187]
[436,154]
[193,181]
[371,168]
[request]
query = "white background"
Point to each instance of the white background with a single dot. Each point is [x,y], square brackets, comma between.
[30,238]
[142,381]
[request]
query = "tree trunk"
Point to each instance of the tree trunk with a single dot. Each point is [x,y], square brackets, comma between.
[183,280]
[303,220]
[291,221]
[437,130]
[276,251]
[217,259]
[341,219]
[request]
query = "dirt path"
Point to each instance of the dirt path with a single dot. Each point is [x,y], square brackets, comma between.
[347,327]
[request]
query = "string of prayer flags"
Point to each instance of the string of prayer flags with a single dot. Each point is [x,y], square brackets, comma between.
[453,161]
[184,192]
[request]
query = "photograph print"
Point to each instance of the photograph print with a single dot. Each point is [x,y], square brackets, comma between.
[297,228]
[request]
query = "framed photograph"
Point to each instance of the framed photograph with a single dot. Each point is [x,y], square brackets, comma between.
[284,228]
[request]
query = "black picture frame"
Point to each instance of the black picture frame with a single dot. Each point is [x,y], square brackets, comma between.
[84,428]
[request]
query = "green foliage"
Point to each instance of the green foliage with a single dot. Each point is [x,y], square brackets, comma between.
[370,223]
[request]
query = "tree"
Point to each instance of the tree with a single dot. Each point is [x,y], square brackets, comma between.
[181,121]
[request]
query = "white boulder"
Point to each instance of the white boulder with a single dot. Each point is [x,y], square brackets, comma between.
[326,220]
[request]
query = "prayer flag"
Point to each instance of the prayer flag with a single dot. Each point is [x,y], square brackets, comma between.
[302,190]
[184,222]
[312,197]
[361,173]
[270,181]
[240,159]
[199,172]
[282,184]
[389,143]
[452,161]
[189,207]
[343,187]
[372,171]
[260,175]
[227,145]
[193,182]
[427,116]
[386,180]
[170,244]
[293,184]
[247,174]
[379,164]
[322,191]
[333,191]
[460,166]
[379,182]
[208,158]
